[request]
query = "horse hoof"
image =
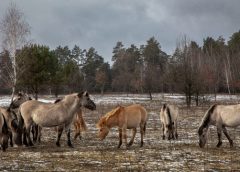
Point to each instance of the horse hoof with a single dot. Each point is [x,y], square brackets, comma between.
[70,145]
[219,144]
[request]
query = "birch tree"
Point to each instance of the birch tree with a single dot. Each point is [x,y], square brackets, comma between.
[14,30]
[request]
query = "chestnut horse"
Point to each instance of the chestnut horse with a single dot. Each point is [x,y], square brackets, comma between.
[124,118]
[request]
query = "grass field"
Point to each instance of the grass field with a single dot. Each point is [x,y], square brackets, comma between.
[91,154]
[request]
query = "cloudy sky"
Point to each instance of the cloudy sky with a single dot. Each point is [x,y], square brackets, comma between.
[101,23]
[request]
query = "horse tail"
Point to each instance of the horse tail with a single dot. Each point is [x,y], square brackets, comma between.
[20,120]
[83,125]
[169,118]
[206,118]
[4,127]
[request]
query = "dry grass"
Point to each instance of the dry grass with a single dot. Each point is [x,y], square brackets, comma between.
[90,154]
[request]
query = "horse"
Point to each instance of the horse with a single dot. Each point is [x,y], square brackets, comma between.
[78,122]
[3,133]
[221,116]
[124,118]
[12,123]
[168,117]
[52,115]
[20,99]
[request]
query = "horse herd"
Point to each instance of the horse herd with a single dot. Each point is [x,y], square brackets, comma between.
[25,115]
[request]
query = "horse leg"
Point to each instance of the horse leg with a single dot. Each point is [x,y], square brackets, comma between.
[125,136]
[29,140]
[227,135]
[10,138]
[142,133]
[175,130]
[163,135]
[134,130]
[34,133]
[39,133]
[59,131]
[219,132]
[68,132]
[25,137]
[120,137]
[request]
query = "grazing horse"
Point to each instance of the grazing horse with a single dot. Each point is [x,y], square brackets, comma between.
[124,118]
[168,118]
[12,123]
[3,132]
[52,115]
[221,116]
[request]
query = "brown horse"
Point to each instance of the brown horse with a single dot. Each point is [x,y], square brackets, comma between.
[52,115]
[12,123]
[3,132]
[79,124]
[124,118]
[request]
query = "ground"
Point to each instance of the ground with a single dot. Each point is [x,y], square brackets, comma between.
[91,154]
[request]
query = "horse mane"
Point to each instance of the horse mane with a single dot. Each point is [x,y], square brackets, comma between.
[206,118]
[112,112]
[58,100]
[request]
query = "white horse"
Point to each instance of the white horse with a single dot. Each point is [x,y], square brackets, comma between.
[168,117]
[221,116]
[52,115]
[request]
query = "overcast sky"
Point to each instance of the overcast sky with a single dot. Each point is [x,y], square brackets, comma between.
[101,23]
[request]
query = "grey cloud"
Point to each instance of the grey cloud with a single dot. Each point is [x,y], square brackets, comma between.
[101,23]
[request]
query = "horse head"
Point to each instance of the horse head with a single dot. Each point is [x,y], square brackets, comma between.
[86,101]
[202,134]
[20,99]
[103,128]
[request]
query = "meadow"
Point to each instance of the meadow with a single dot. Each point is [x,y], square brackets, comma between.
[91,154]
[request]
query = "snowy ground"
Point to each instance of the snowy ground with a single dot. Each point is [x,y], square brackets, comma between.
[90,154]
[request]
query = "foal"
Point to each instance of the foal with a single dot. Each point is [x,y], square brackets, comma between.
[124,118]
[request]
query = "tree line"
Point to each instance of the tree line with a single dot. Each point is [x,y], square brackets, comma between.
[192,69]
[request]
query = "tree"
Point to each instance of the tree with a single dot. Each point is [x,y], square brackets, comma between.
[154,61]
[14,30]
[39,64]
[92,63]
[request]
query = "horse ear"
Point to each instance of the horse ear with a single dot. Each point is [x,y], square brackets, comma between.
[80,94]
[86,93]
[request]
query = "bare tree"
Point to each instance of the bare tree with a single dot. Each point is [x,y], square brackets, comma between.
[14,30]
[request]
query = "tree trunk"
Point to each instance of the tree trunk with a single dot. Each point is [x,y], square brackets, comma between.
[150,95]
